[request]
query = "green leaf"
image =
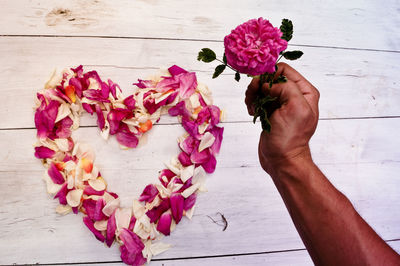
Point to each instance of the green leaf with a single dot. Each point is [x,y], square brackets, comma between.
[280,79]
[292,55]
[218,70]
[237,76]
[287,29]
[266,125]
[224,59]
[206,55]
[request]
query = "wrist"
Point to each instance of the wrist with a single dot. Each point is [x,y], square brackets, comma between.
[291,164]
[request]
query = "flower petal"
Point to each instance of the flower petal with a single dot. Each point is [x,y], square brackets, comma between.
[90,224]
[177,202]
[62,194]
[43,152]
[74,197]
[206,141]
[164,224]
[209,166]
[176,70]
[111,228]
[55,174]
[184,159]
[189,202]
[111,206]
[149,193]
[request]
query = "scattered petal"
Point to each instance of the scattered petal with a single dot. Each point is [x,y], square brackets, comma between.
[164,224]
[149,193]
[43,152]
[55,174]
[177,203]
[90,224]
[74,197]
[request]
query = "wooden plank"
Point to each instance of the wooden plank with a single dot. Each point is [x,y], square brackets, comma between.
[292,258]
[361,158]
[257,221]
[359,24]
[352,83]
[335,142]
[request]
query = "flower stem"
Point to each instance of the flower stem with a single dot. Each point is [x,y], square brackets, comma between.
[225,64]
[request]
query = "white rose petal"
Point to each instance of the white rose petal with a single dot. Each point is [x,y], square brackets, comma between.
[206,141]
[63,112]
[74,197]
[98,184]
[111,206]
[63,209]
[101,225]
[187,173]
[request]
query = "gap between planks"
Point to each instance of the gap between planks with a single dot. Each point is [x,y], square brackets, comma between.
[189,258]
[186,39]
[232,122]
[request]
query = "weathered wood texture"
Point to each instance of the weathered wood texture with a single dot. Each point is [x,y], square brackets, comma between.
[354,24]
[352,83]
[356,143]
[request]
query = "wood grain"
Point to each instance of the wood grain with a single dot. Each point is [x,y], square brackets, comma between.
[352,83]
[360,158]
[352,50]
[354,24]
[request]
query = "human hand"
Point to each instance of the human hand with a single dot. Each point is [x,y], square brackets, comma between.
[292,124]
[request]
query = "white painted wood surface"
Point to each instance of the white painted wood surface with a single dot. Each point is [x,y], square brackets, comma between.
[357,142]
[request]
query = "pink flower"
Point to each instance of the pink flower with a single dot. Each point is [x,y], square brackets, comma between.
[254,46]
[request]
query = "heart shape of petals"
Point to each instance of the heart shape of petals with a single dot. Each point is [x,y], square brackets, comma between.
[73,178]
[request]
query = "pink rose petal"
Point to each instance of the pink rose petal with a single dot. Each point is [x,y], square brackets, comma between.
[184,159]
[189,202]
[188,84]
[127,139]
[115,116]
[168,174]
[62,194]
[164,224]
[176,70]
[179,109]
[55,174]
[149,193]
[43,152]
[88,108]
[111,228]
[90,224]
[91,191]
[64,128]
[155,213]
[218,134]
[130,102]
[100,117]
[177,202]
[209,166]
[200,157]
[131,250]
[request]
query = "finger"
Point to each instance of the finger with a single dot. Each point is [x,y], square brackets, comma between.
[251,94]
[285,91]
[289,72]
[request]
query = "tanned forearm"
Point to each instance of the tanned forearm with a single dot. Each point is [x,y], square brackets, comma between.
[329,226]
